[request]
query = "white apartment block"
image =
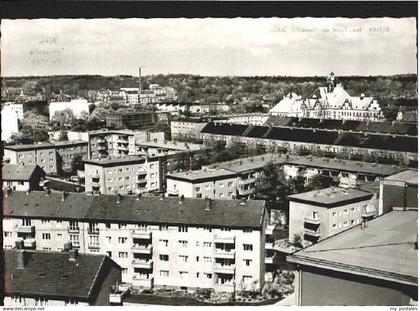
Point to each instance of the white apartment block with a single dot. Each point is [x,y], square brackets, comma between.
[172,243]
[186,129]
[77,106]
[9,124]
[12,107]
[318,214]
[127,175]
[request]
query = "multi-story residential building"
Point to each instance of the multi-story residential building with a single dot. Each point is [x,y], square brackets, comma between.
[43,155]
[247,119]
[331,102]
[53,158]
[40,278]
[206,183]
[22,177]
[127,175]
[13,107]
[110,143]
[67,151]
[316,215]
[184,129]
[136,120]
[158,148]
[77,106]
[9,124]
[174,243]
[363,266]
[398,148]
[398,190]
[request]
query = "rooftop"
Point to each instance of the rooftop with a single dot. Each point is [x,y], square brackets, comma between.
[153,210]
[330,197]
[70,143]
[385,249]
[202,175]
[29,147]
[409,176]
[116,161]
[52,274]
[19,172]
[171,145]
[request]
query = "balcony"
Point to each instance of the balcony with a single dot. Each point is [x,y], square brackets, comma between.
[269,229]
[139,234]
[73,229]
[141,181]
[312,233]
[142,263]
[228,239]
[246,181]
[94,246]
[141,172]
[101,141]
[93,231]
[221,253]
[29,243]
[142,280]
[101,148]
[269,245]
[311,220]
[226,269]
[142,249]
[368,214]
[25,229]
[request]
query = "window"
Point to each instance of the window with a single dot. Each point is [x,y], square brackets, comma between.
[197,189]
[230,184]
[209,275]
[41,302]
[74,239]
[247,247]
[47,249]
[164,273]
[207,244]
[164,257]
[124,271]
[163,242]
[107,225]
[182,229]
[225,229]
[315,215]
[247,230]
[334,214]
[334,226]
[59,236]
[108,239]
[345,224]
[109,253]
[163,228]
[183,274]
[183,243]
[122,240]
[207,259]
[7,234]
[46,236]
[183,258]
[197,258]
[122,255]
[198,275]
[247,262]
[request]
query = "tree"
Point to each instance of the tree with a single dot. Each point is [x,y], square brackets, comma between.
[77,163]
[64,117]
[320,182]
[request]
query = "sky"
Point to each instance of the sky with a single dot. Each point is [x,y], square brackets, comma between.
[211,47]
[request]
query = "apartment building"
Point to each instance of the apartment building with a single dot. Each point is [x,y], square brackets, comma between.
[248,119]
[13,107]
[206,183]
[44,155]
[371,266]
[22,177]
[136,120]
[127,175]
[157,148]
[110,143]
[52,158]
[316,215]
[77,107]
[174,243]
[398,190]
[9,124]
[184,129]
[400,148]
[40,278]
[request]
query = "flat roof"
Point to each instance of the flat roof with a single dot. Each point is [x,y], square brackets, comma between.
[251,163]
[330,197]
[202,175]
[385,249]
[19,172]
[170,145]
[409,176]
[26,147]
[116,161]
[153,210]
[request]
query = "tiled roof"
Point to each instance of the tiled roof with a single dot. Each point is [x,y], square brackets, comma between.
[384,250]
[224,129]
[52,274]
[19,172]
[152,210]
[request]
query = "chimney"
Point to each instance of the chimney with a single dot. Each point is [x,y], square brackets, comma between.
[21,257]
[208,204]
[63,196]
[118,198]
[243,201]
[73,254]
[181,199]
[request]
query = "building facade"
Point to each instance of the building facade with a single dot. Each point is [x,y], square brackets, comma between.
[316,215]
[77,106]
[158,242]
[186,129]
[22,177]
[127,175]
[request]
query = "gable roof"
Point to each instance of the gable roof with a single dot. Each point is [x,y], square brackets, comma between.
[153,210]
[52,274]
[384,250]
[19,172]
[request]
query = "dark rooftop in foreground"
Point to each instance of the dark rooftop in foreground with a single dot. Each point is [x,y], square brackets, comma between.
[385,249]
[52,274]
[153,210]
[332,196]
[19,172]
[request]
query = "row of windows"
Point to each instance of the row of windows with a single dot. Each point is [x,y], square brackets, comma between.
[346,224]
